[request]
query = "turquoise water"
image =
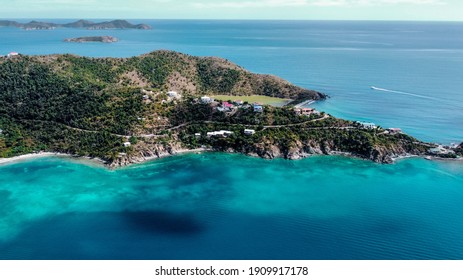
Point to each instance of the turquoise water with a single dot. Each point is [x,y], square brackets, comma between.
[218,206]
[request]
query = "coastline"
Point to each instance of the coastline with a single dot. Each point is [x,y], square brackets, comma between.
[29,157]
[139,160]
[143,159]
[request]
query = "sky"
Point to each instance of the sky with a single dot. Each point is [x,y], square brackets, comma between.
[430,10]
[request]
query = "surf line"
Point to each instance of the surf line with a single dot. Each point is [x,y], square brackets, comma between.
[404,93]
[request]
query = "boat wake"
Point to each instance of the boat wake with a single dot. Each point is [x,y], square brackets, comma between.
[404,93]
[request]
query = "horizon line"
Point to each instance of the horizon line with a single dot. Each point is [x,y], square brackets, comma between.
[237,19]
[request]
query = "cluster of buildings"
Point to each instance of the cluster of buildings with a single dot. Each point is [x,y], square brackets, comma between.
[441,150]
[392,130]
[368,125]
[226,106]
[171,95]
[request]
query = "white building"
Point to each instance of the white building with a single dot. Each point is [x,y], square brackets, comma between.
[249,131]
[206,99]
[226,132]
[220,133]
[258,108]
[394,130]
[127,144]
[12,54]
[198,135]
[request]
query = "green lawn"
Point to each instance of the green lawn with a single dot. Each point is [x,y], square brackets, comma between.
[266,100]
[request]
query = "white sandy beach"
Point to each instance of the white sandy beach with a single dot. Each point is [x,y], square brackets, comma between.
[89,160]
[28,157]
[47,154]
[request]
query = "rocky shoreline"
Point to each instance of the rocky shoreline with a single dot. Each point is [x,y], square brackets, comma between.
[381,157]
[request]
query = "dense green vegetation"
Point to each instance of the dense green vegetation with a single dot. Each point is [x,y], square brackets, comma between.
[216,79]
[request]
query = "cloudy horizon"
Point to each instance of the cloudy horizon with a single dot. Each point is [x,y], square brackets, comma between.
[432,10]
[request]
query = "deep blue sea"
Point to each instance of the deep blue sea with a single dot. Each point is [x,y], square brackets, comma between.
[218,206]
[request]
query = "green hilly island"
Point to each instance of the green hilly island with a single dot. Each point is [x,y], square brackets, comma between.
[40,25]
[125,110]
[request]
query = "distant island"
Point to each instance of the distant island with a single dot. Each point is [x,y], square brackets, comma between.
[127,110]
[101,39]
[38,25]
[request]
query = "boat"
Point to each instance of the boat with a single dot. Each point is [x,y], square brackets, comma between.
[375,88]
[428,158]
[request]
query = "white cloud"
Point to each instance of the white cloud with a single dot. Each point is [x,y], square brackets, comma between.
[305,3]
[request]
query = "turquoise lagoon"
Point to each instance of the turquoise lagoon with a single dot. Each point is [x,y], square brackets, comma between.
[221,206]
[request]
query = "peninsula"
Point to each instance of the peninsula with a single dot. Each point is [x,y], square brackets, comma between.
[39,25]
[127,110]
[101,39]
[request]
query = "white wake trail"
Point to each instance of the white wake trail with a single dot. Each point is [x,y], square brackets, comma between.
[405,93]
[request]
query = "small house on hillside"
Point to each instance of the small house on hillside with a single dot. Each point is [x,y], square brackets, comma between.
[127,144]
[227,105]
[249,131]
[258,108]
[307,111]
[206,100]
[11,54]
[394,130]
